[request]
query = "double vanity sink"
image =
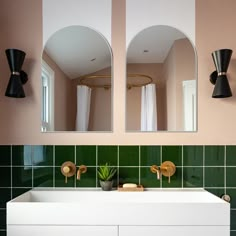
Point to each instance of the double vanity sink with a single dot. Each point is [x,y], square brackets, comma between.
[93,212]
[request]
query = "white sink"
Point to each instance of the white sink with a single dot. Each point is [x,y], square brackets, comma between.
[94,207]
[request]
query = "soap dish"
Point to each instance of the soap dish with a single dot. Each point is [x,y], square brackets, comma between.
[139,188]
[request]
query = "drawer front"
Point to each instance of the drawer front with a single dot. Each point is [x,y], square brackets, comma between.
[174,230]
[62,230]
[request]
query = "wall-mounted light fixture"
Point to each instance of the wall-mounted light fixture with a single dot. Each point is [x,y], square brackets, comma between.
[18,77]
[221,60]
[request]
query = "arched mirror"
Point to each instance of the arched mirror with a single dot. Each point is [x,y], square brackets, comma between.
[76,81]
[161,95]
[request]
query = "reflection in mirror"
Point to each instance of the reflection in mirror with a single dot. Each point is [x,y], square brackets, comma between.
[72,55]
[169,102]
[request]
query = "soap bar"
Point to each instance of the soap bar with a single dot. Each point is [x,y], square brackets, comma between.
[129,185]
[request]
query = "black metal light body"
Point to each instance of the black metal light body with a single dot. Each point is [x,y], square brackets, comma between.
[221,60]
[18,77]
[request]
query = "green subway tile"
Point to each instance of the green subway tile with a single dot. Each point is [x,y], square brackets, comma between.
[63,154]
[60,179]
[231,176]
[107,154]
[87,179]
[86,155]
[172,153]
[128,155]
[150,155]
[5,155]
[175,180]
[214,155]
[216,191]
[214,177]
[193,177]
[43,176]
[5,177]
[18,191]
[232,194]
[5,196]
[22,155]
[22,176]
[233,220]
[231,155]
[128,175]
[3,233]
[148,179]
[193,155]
[2,218]
[42,155]
[232,233]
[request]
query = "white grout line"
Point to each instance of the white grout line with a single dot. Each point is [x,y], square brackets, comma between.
[11,172]
[118,164]
[32,158]
[96,149]
[75,159]
[124,166]
[225,183]
[160,163]
[54,161]
[139,168]
[203,167]
[182,149]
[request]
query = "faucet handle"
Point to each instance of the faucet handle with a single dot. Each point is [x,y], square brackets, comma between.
[68,169]
[168,169]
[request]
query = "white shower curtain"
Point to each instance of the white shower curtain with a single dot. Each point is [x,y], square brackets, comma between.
[83,107]
[148,108]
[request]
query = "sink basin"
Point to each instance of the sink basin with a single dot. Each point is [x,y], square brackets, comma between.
[95,207]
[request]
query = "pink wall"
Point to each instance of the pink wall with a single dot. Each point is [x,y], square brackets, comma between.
[178,66]
[185,70]
[63,120]
[170,78]
[20,118]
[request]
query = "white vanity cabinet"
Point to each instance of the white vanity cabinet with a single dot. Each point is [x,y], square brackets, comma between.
[173,230]
[29,230]
[181,212]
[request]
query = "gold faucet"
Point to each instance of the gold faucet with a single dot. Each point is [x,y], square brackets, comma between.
[82,169]
[167,169]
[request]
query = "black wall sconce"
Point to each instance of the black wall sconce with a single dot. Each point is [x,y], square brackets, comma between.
[221,60]
[18,77]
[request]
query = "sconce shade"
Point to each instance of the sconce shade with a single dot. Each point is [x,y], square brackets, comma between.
[221,60]
[18,77]
[222,88]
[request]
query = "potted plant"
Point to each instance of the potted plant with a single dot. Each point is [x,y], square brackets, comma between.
[105,175]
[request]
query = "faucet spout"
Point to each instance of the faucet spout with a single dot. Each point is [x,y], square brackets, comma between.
[158,174]
[82,169]
[78,174]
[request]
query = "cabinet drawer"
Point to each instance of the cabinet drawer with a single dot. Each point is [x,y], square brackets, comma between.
[174,230]
[62,230]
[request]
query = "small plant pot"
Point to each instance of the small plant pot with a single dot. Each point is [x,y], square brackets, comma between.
[106,185]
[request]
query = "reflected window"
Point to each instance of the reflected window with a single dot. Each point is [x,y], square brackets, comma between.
[47,80]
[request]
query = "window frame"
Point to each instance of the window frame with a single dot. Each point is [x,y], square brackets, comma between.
[49,74]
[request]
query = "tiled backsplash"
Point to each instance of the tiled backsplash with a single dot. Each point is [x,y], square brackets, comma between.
[25,167]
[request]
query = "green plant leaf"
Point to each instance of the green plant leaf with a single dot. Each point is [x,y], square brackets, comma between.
[106,172]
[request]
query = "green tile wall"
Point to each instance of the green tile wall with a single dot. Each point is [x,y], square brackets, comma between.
[25,167]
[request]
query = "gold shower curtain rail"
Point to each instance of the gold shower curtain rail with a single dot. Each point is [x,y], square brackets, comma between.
[84,81]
